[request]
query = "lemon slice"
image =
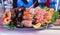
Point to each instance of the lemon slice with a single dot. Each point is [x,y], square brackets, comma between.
[38,25]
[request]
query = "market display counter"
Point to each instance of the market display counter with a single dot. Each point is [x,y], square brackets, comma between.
[50,31]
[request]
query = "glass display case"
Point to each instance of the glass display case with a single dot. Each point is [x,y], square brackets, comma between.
[52,3]
[1,6]
[7,4]
[0,2]
[59,6]
[42,3]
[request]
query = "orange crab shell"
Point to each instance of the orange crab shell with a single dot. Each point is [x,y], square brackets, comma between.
[6,21]
[6,15]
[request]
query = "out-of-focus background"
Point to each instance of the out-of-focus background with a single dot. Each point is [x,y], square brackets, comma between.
[9,4]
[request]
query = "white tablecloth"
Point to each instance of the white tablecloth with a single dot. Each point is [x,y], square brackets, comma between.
[40,32]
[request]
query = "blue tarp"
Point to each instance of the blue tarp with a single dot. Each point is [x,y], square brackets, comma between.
[21,3]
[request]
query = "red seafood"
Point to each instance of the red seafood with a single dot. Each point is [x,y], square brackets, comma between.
[6,17]
[6,21]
